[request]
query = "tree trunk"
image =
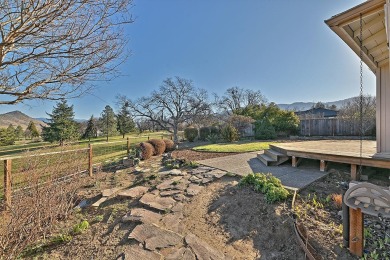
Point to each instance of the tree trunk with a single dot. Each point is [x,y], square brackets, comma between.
[175,137]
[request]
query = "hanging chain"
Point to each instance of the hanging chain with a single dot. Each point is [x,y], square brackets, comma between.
[361,94]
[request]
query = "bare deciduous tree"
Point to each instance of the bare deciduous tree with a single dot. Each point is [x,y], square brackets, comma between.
[238,98]
[177,101]
[351,112]
[50,49]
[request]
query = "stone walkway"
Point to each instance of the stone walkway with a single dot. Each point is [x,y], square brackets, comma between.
[244,163]
[159,231]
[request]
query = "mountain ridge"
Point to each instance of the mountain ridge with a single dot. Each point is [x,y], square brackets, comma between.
[301,106]
[19,118]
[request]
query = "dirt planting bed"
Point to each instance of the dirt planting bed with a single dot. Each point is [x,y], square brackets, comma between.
[198,215]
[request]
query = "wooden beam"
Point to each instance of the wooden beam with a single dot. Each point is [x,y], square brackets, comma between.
[356,234]
[373,37]
[381,46]
[369,25]
[381,57]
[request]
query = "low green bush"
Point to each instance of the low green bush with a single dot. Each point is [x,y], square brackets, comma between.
[229,133]
[264,130]
[267,184]
[81,227]
[191,133]
[213,138]
[204,132]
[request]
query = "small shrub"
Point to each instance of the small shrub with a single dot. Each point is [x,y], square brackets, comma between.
[81,227]
[229,133]
[147,150]
[169,145]
[204,132]
[159,146]
[190,133]
[264,130]
[213,138]
[267,184]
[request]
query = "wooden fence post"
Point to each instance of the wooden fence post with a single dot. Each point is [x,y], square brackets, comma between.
[7,183]
[128,145]
[90,154]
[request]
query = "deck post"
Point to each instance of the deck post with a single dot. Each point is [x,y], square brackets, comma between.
[7,183]
[354,172]
[322,165]
[294,161]
[356,234]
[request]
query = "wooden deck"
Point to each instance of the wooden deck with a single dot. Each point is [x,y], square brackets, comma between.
[340,151]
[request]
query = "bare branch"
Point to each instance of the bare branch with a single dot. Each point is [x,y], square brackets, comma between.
[51,49]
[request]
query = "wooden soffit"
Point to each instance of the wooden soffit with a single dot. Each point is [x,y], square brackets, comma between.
[347,26]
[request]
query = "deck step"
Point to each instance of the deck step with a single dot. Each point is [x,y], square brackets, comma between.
[267,160]
[274,154]
[270,157]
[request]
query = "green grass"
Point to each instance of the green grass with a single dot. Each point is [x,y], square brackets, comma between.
[238,147]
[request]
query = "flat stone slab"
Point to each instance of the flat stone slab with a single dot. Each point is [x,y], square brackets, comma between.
[143,216]
[173,172]
[155,237]
[157,202]
[215,174]
[193,189]
[170,193]
[133,192]
[172,221]
[165,185]
[179,197]
[110,192]
[207,180]
[201,249]
[182,254]
[135,252]
[244,163]
[181,185]
[100,201]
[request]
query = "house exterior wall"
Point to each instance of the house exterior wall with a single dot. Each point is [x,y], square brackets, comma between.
[383,109]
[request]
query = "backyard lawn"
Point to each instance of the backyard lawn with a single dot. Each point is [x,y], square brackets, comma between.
[237,147]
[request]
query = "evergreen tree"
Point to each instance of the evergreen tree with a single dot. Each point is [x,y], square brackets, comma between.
[91,130]
[19,132]
[62,126]
[31,131]
[125,122]
[6,137]
[11,133]
[107,122]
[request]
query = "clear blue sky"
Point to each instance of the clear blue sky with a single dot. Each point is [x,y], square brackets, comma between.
[282,48]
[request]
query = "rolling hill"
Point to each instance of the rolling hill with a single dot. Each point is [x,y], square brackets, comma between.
[18,118]
[301,106]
